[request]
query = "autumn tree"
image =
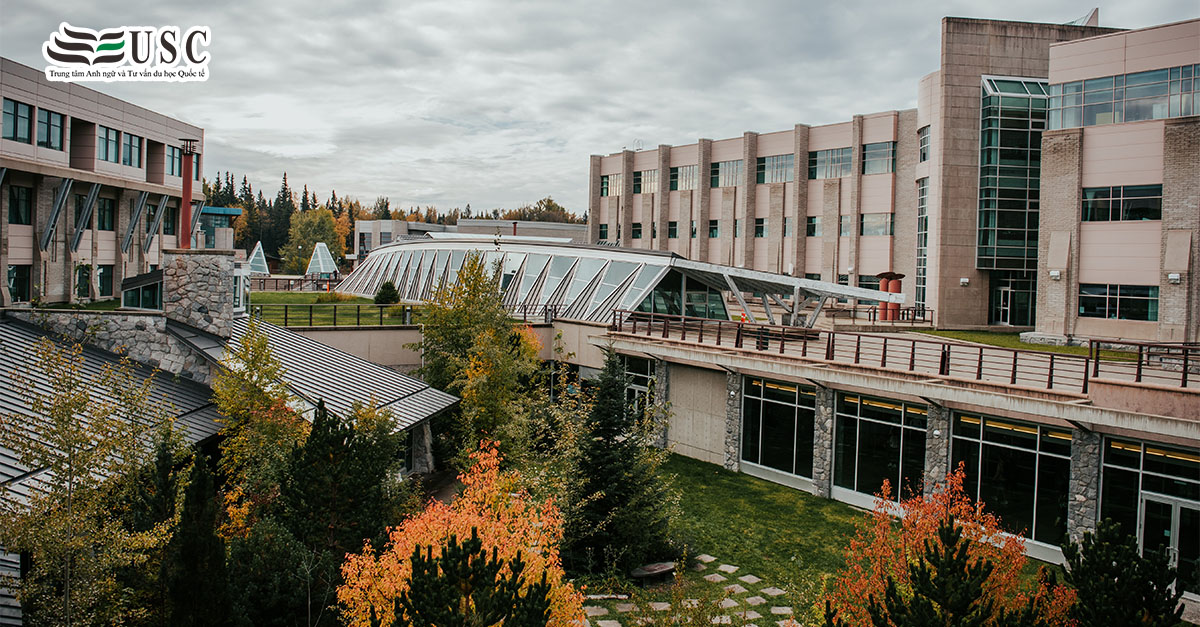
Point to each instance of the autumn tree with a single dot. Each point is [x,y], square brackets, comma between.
[1117,585]
[544,210]
[505,518]
[308,228]
[84,431]
[880,553]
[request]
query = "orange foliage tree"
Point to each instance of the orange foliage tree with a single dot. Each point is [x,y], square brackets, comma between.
[507,519]
[884,547]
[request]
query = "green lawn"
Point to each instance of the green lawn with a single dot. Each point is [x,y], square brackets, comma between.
[272,307]
[1013,340]
[297,298]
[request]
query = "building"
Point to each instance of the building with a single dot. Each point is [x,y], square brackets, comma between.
[215,229]
[1051,443]
[370,234]
[90,188]
[945,195]
[1120,211]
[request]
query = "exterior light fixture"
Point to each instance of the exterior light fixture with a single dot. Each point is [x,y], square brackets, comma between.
[1173,278]
[1056,275]
[964,281]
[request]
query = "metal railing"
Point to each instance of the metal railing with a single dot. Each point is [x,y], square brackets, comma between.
[1003,366]
[535,313]
[871,313]
[332,314]
[293,284]
[1169,363]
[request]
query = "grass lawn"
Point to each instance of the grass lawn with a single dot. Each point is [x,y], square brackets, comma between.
[272,305]
[297,298]
[1013,340]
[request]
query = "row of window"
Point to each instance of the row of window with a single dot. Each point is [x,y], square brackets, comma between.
[20,211]
[20,282]
[1118,302]
[17,125]
[1151,95]
[1130,202]
[869,224]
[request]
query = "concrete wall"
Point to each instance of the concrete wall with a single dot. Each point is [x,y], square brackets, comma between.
[697,426]
[385,346]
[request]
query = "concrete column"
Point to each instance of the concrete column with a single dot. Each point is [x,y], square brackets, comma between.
[904,203]
[855,191]
[800,201]
[747,199]
[774,239]
[831,223]
[1179,303]
[662,399]
[701,199]
[626,196]
[593,232]
[662,198]
[733,421]
[1062,175]
[937,448]
[1082,510]
[823,418]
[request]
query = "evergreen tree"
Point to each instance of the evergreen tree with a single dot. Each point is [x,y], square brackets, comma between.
[624,505]
[1116,585]
[281,218]
[334,204]
[304,206]
[195,565]
[382,210]
[387,294]
[464,587]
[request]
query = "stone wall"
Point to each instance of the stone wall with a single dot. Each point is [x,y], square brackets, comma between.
[823,442]
[937,448]
[1084,488]
[733,421]
[198,289]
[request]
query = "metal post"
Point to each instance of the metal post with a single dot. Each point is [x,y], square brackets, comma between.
[335,308]
[1050,374]
[912,356]
[883,356]
[1138,377]
[285,315]
[1184,380]
[310,315]
[979,366]
[1012,379]
[1087,368]
[829,346]
[857,347]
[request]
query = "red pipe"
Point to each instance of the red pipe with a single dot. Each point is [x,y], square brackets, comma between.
[185,207]
[894,308]
[884,310]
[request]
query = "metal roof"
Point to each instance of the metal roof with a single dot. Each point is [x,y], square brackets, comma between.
[582,282]
[314,372]
[221,211]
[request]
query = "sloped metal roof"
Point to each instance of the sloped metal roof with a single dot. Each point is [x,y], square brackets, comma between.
[314,372]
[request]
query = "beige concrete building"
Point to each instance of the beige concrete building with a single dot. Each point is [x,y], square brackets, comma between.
[89,188]
[899,192]
[1120,245]
[371,234]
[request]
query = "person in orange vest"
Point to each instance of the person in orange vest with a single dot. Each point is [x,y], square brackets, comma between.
[743,316]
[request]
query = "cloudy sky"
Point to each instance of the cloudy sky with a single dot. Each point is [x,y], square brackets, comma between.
[498,104]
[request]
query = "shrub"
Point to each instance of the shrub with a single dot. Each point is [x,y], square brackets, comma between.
[387,294]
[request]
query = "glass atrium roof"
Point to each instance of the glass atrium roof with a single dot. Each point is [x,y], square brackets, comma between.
[579,282]
[321,261]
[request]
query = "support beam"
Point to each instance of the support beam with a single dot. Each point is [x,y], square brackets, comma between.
[157,220]
[796,304]
[738,295]
[767,307]
[199,206]
[787,309]
[812,319]
[64,190]
[134,220]
[3,171]
[85,218]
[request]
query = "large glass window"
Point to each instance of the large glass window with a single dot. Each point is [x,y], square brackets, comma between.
[1020,471]
[174,161]
[645,181]
[777,425]
[875,224]
[683,177]
[106,214]
[1118,302]
[1130,202]
[105,280]
[18,121]
[1012,118]
[20,205]
[777,169]
[725,173]
[879,158]
[812,226]
[923,144]
[83,281]
[131,153]
[639,379]
[1150,95]
[845,228]
[108,144]
[829,164]
[50,129]
[922,240]
[19,283]
[170,219]
[787,226]
[877,440]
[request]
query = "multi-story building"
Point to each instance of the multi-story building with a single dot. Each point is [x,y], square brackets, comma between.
[946,194]
[370,234]
[90,188]
[1120,214]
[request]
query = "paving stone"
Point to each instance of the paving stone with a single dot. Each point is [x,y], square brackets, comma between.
[706,558]
[595,610]
[608,623]
[699,567]
[750,579]
[722,620]
[787,622]
[781,609]
[715,578]
[659,606]
[749,615]
[726,568]
[727,603]
[735,589]
[625,607]
[772,591]
[755,600]
[691,602]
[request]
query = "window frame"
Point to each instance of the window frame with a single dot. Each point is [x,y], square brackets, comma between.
[131,150]
[54,121]
[15,117]
[923,141]
[108,144]
[20,205]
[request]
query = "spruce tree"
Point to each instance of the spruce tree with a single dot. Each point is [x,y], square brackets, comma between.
[1116,585]
[195,565]
[387,294]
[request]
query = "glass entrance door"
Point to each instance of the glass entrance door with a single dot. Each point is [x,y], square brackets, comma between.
[1004,308]
[1173,525]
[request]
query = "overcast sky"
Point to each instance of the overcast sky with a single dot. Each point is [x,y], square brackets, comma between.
[498,104]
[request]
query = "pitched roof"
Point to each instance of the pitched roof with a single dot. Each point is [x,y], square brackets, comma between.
[321,261]
[258,261]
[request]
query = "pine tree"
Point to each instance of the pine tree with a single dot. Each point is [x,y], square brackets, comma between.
[387,294]
[195,566]
[463,587]
[382,209]
[304,206]
[1116,585]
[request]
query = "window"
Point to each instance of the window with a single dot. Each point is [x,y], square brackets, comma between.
[106,214]
[869,283]
[879,158]
[80,202]
[844,228]
[787,227]
[1150,95]
[737,227]
[693,229]
[1118,302]
[174,161]
[683,177]
[108,144]
[131,151]
[877,440]
[714,229]
[105,279]
[645,181]
[364,241]
[812,226]
[636,228]
[1021,470]
[50,129]
[18,121]
[653,230]
[777,425]
[610,185]
[812,276]
[1131,202]
[385,238]
[144,297]
[922,240]
[83,281]
[874,224]
[196,167]
[20,205]
[829,164]
[777,169]
[923,143]
[672,229]
[170,218]
[19,283]
[1130,468]
[726,173]
[603,232]
[760,227]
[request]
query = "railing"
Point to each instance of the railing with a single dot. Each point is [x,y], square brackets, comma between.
[1003,366]
[871,313]
[1157,362]
[293,284]
[333,314]
[535,313]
